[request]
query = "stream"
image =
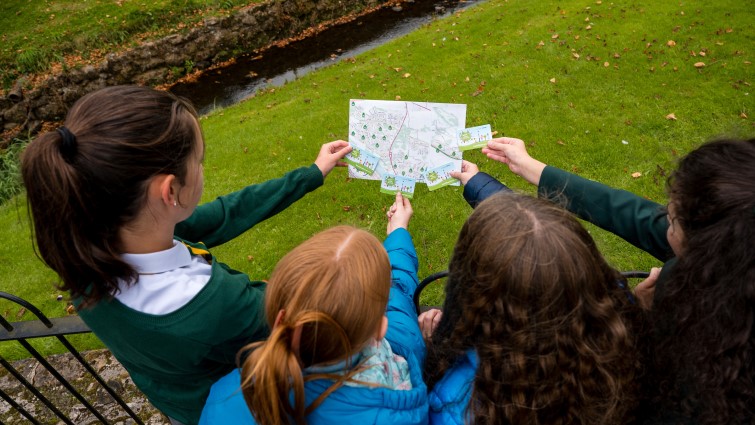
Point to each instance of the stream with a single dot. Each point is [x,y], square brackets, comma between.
[218,88]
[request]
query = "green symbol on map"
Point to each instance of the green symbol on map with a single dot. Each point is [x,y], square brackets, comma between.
[432,176]
[353,133]
[355,153]
[390,181]
[465,136]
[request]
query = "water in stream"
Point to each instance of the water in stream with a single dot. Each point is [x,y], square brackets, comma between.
[278,65]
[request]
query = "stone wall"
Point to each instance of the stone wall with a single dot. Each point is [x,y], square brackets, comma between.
[249,29]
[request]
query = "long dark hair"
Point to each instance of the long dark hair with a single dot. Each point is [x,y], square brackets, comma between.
[88,179]
[530,293]
[704,349]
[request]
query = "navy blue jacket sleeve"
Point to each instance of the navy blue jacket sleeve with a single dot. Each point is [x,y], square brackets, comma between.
[480,187]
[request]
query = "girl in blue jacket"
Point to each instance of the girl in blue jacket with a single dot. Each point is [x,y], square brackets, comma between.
[335,354]
[534,327]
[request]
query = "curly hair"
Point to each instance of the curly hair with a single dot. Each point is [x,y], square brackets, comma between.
[529,291]
[703,342]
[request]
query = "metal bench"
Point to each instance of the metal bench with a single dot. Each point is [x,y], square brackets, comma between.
[57,328]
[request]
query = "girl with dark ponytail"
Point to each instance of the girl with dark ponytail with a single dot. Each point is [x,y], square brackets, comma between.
[113,197]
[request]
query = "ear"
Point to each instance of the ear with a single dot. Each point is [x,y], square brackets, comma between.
[279,318]
[165,188]
[383,329]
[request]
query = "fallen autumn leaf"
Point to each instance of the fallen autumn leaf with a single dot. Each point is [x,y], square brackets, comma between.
[671,116]
[636,175]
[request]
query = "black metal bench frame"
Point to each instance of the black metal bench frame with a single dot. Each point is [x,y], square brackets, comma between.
[57,328]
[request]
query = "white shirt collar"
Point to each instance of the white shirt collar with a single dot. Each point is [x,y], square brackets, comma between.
[159,262]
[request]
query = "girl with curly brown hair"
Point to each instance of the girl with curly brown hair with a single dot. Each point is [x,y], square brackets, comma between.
[535,329]
[702,363]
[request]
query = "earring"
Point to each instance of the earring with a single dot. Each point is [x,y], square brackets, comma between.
[175,204]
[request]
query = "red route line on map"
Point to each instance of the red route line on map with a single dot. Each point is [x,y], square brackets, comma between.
[390,148]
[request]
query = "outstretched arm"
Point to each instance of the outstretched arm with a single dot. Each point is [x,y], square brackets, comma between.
[478,186]
[228,216]
[403,330]
[637,220]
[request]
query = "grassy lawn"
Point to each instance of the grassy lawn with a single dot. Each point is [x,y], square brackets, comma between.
[603,90]
[38,36]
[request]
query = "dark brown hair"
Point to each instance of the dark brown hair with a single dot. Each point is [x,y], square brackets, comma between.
[530,293]
[704,351]
[334,289]
[86,181]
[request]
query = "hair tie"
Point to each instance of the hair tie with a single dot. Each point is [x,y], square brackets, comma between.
[68,145]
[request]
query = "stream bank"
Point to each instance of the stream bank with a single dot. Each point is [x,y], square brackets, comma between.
[23,111]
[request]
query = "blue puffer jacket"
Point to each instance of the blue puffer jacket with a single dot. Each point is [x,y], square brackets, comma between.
[450,396]
[355,405]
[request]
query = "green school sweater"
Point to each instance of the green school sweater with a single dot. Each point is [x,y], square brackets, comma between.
[641,222]
[176,357]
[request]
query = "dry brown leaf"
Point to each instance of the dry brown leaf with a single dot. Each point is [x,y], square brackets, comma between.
[636,175]
[742,115]
[576,55]
[671,43]
[397,69]
[407,75]
[589,27]
[560,142]
[552,80]
[699,64]
[606,64]
[554,36]
[346,208]
[541,43]
[398,97]
[701,53]
[671,117]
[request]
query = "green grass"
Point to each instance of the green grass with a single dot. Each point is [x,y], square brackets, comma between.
[37,34]
[577,123]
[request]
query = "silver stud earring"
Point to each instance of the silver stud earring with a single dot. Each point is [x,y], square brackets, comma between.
[175,204]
